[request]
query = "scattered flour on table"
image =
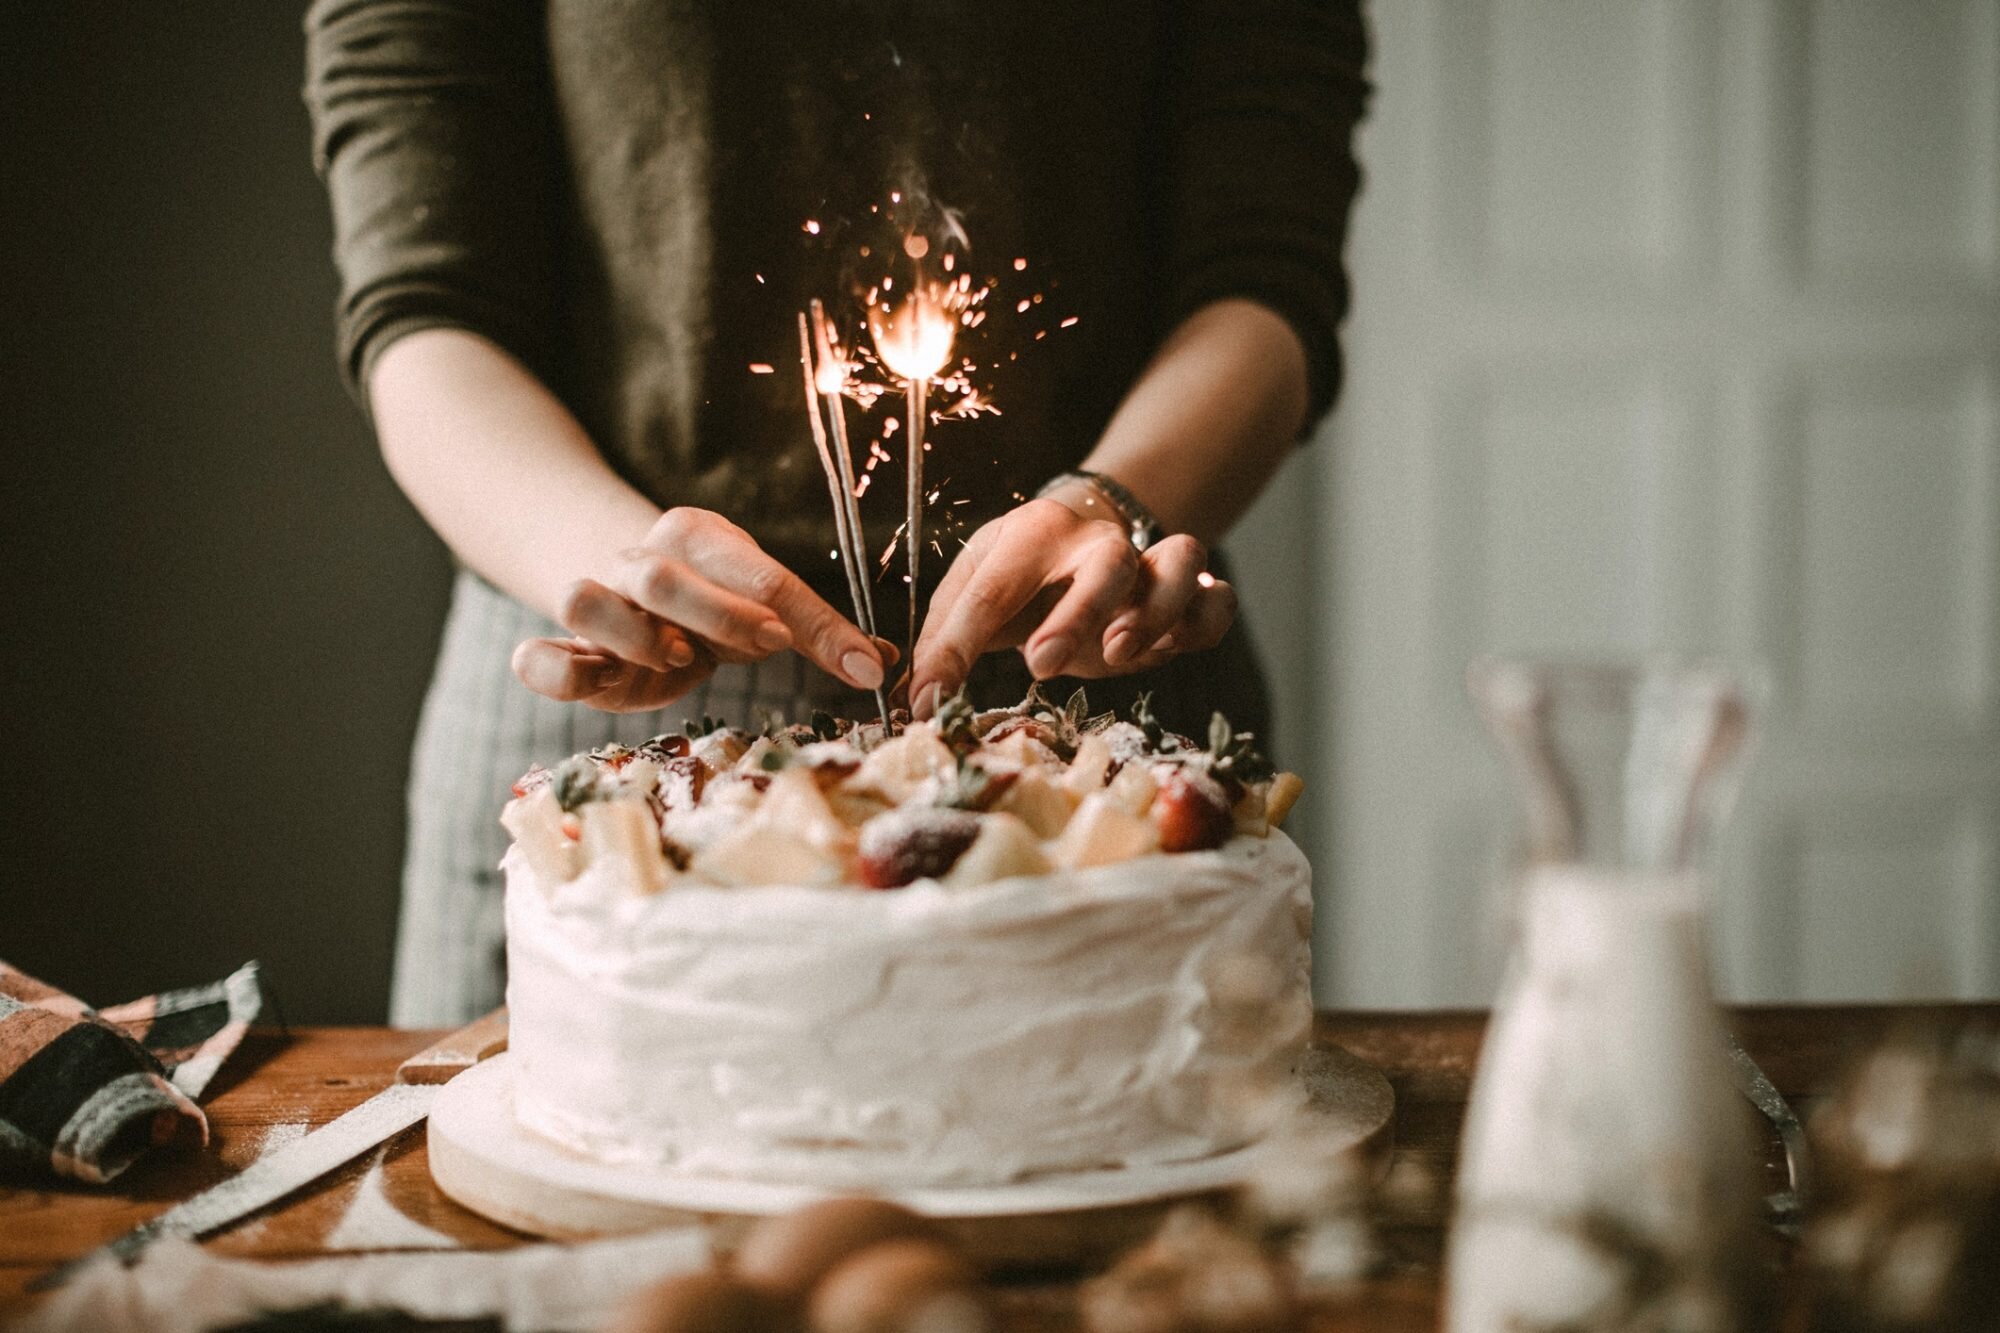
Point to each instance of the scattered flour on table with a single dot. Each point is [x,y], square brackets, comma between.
[276,1137]
[282,1135]
[372,1222]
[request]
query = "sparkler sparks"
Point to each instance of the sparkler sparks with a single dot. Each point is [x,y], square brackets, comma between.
[917,300]
[914,342]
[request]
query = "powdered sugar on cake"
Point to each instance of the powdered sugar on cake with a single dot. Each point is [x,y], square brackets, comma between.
[838,803]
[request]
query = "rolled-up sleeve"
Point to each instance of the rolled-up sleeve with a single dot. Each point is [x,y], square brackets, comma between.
[433,130]
[1266,98]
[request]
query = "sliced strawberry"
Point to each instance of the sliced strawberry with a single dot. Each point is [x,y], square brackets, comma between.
[1192,812]
[828,773]
[1032,726]
[662,748]
[904,846]
[682,782]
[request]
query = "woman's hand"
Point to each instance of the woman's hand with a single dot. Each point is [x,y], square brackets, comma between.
[1074,594]
[696,592]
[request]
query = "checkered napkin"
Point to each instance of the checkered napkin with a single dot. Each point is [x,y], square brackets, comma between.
[84,1092]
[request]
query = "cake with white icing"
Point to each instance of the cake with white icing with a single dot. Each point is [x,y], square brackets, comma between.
[975,950]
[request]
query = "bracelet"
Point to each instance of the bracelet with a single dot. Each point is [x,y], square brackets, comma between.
[1137,520]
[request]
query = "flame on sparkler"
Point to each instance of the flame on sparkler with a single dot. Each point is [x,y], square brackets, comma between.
[832,369]
[913,339]
[915,298]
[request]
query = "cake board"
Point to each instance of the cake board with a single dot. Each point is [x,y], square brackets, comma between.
[482,1158]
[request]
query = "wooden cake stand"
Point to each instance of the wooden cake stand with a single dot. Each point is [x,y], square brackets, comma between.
[481,1157]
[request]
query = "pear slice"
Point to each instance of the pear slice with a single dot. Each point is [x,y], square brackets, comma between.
[622,836]
[1005,847]
[1103,833]
[535,821]
[1284,794]
[758,854]
[1133,789]
[794,804]
[1039,803]
[1087,771]
[897,767]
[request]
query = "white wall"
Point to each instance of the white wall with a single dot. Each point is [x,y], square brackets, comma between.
[1676,330]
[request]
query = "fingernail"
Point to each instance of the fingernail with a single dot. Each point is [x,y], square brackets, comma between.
[772,635]
[890,652]
[680,653]
[861,669]
[927,701]
[1120,647]
[1050,655]
[1165,645]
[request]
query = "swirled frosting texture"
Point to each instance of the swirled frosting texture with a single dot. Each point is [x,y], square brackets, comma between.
[926,1036]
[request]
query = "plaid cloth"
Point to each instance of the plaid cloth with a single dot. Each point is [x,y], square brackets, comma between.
[85,1092]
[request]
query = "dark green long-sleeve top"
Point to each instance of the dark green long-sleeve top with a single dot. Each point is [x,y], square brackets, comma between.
[616,192]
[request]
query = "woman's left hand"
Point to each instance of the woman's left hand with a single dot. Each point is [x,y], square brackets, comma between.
[1073,594]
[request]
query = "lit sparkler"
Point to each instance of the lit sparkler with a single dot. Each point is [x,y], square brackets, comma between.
[826,376]
[912,325]
[913,341]
[834,379]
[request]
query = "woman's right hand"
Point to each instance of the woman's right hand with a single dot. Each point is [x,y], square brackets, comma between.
[696,592]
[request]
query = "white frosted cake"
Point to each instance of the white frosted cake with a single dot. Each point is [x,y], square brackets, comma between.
[997,945]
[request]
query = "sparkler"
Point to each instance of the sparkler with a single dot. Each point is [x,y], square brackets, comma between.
[912,327]
[826,375]
[832,378]
[913,341]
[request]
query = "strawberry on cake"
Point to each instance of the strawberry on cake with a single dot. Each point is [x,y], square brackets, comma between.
[965,952]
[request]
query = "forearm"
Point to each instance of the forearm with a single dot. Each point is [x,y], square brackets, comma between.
[1210,419]
[499,467]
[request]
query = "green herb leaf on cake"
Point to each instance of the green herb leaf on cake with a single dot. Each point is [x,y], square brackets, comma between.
[578,781]
[975,787]
[955,723]
[1147,721]
[1234,754]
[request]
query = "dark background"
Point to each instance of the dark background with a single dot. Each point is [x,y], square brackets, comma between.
[219,611]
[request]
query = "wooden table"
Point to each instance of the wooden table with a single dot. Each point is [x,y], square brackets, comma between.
[278,1083]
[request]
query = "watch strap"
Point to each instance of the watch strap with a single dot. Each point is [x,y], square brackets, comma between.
[1137,520]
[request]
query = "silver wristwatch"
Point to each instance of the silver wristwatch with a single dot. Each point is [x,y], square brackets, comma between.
[1126,511]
